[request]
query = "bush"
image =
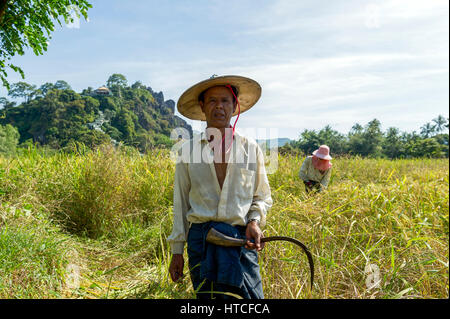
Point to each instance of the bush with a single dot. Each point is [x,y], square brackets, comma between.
[9,138]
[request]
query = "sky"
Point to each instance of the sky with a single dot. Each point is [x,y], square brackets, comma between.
[318,62]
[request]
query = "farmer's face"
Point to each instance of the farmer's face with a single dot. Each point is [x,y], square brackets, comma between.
[218,106]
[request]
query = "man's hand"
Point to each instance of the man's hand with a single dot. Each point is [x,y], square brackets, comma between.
[254,232]
[176,267]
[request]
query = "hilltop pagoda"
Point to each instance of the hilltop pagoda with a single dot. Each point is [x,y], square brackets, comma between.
[103,90]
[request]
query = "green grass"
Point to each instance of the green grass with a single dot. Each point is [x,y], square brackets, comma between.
[103,217]
[33,254]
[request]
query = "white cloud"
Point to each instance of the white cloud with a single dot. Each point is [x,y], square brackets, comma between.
[319,62]
[313,92]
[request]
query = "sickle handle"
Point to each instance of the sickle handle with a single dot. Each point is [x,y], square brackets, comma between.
[217,238]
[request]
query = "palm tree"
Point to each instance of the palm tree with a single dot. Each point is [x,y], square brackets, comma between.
[440,123]
[356,129]
[427,130]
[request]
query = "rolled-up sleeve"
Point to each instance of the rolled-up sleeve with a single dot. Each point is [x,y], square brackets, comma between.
[262,200]
[181,206]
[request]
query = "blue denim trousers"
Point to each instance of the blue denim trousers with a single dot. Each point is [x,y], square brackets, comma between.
[222,272]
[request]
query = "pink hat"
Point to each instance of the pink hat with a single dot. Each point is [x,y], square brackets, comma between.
[323,152]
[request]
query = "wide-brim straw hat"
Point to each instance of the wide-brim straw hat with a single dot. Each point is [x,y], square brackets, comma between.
[249,92]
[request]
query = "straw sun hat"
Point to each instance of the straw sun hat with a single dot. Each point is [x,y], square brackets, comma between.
[249,92]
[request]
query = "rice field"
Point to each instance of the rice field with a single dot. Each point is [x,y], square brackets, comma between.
[94,225]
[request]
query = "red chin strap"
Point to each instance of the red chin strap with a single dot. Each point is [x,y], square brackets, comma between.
[239,106]
[239,112]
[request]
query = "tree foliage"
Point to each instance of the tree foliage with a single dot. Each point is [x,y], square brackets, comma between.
[29,24]
[22,90]
[116,80]
[9,138]
[57,116]
[370,141]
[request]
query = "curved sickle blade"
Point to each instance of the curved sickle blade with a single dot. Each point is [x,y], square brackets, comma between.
[217,238]
[298,243]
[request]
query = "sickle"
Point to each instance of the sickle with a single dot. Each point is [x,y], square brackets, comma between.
[217,238]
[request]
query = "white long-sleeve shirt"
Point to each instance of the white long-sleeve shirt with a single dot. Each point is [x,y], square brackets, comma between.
[197,197]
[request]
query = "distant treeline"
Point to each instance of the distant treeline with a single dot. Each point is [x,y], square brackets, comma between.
[56,116]
[370,141]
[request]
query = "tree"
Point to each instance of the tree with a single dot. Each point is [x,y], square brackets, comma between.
[372,138]
[442,139]
[162,140]
[3,101]
[427,147]
[62,85]
[44,88]
[5,104]
[9,138]
[392,143]
[356,129]
[87,91]
[441,122]
[335,140]
[117,80]
[22,90]
[116,83]
[29,24]
[409,141]
[123,121]
[138,85]
[366,141]
[356,140]
[427,130]
[308,141]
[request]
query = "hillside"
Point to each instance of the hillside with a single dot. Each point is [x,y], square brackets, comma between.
[56,116]
[275,142]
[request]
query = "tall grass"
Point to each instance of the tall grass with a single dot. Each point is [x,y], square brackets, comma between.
[393,214]
[108,213]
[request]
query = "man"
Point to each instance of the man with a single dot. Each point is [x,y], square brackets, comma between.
[220,182]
